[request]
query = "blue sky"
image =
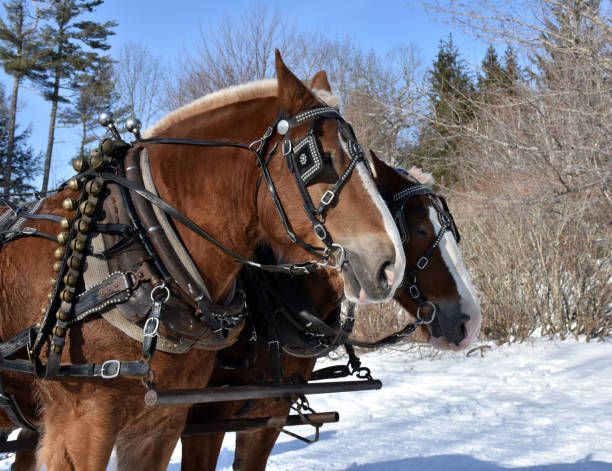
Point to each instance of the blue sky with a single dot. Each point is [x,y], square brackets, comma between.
[171,28]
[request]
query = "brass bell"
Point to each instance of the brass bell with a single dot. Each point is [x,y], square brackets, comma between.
[56,348]
[59,253]
[62,315]
[96,161]
[78,245]
[58,331]
[67,295]
[108,147]
[88,208]
[65,223]
[74,261]
[52,281]
[43,310]
[74,184]
[71,279]
[49,295]
[57,266]
[62,238]
[94,187]
[69,204]
[82,226]
[80,164]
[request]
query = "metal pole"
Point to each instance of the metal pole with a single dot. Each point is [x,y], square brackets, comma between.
[263,391]
[240,425]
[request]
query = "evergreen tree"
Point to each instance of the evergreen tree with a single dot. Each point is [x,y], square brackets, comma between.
[72,48]
[511,71]
[25,164]
[492,77]
[95,95]
[451,91]
[20,54]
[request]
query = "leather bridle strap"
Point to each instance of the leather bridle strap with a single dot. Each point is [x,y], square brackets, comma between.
[292,269]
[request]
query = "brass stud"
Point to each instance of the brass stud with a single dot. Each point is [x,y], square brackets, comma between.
[59,253]
[58,331]
[52,281]
[94,187]
[69,204]
[57,266]
[88,208]
[43,310]
[80,164]
[67,295]
[62,238]
[74,184]
[49,295]
[82,226]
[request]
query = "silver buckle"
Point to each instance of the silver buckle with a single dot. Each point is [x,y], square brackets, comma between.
[422,263]
[149,330]
[320,231]
[327,197]
[110,364]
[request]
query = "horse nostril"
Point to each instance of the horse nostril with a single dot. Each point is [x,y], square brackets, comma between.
[463,330]
[386,275]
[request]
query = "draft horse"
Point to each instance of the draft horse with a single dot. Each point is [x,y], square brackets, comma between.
[79,365]
[436,288]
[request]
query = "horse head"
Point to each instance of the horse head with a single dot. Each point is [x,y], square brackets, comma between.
[436,286]
[324,183]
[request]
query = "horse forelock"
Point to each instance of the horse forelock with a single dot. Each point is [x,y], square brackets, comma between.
[418,175]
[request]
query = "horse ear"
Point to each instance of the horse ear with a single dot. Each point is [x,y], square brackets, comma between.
[292,93]
[320,82]
[377,163]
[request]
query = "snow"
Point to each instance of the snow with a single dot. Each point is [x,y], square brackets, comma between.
[541,405]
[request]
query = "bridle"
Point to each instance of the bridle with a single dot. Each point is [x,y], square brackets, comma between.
[305,161]
[447,223]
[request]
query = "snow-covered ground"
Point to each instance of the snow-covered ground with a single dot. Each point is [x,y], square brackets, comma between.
[541,405]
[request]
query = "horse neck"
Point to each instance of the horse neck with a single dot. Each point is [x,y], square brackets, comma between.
[215,186]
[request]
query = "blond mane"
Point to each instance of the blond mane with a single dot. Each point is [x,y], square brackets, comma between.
[248,91]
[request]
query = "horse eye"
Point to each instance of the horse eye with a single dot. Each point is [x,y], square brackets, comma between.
[421,232]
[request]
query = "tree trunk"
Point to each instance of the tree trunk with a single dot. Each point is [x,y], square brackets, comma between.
[10,147]
[51,138]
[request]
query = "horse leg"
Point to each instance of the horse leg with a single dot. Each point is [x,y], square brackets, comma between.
[148,442]
[25,460]
[253,449]
[78,435]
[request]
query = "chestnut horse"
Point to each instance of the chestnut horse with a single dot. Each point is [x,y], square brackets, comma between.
[444,282]
[81,419]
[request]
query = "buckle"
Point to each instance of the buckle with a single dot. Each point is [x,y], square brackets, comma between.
[320,231]
[414,291]
[106,370]
[287,147]
[327,197]
[150,327]
[422,263]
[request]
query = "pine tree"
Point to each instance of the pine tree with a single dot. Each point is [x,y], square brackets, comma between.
[492,76]
[72,47]
[451,91]
[25,164]
[20,54]
[511,71]
[95,95]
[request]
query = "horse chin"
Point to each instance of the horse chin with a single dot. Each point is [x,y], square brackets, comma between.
[471,329]
[352,288]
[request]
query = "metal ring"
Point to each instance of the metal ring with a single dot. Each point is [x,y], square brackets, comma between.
[158,288]
[433,313]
